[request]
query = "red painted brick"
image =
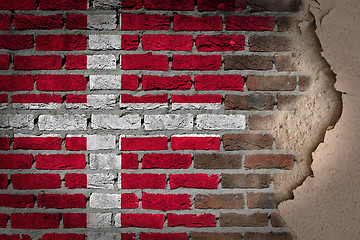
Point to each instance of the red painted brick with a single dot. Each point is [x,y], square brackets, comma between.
[196,62]
[166,161]
[129,200]
[74,220]
[60,42]
[129,42]
[38,143]
[62,4]
[4,61]
[175,5]
[4,143]
[17,201]
[129,82]
[76,21]
[16,161]
[16,42]
[5,21]
[143,181]
[61,82]
[163,236]
[211,43]
[250,23]
[4,182]
[15,237]
[50,62]
[128,98]
[191,220]
[62,236]
[22,22]
[60,161]
[166,202]
[144,22]
[167,42]
[190,23]
[212,5]
[16,83]
[144,143]
[144,220]
[3,99]
[75,180]
[219,82]
[129,161]
[195,180]
[35,220]
[269,161]
[150,82]
[34,98]
[75,143]
[268,236]
[128,236]
[76,62]
[36,181]
[131,5]
[18,4]
[196,98]
[145,62]
[61,201]
[195,143]
[4,218]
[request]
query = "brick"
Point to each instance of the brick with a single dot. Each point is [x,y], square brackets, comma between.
[258,102]
[101,62]
[129,161]
[62,236]
[89,142]
[5,21]
[4,182]
[213,5]
[215,236]
[90,101]
[167,42]
[168,122]
[75,180]
[17,121]
[304,83]
[190,23]
[144,220]
[212,43]
[174,5]
[166,161]
[105,121]
[145,102]
[129,42]
[151,82]
[34,101]
[195,180]
[37,143]
[271,83]
[50,62]
[288,102]
[61,82]
[101,22]
[16,42]
[108,4]
[16,161]
[246,180]
[131,4]
[15,237]
[105,201]
[285,63]
[76,143]
[243,220]
[145,22]
[98,220]
[143,143]
[219,201]
[104,42]
[233,142]
[76,21]
[17,201]
[4,218]
[129,200]
[4,143]
[61,201]
[36,181]
[99,235]
[62,4]
[100,181]
[163,236]
[287,24]
[105,161]
[274,6]
[269,43]
[262,200]
[219,122]
[250,23]
[268,236]
[277,221]
[16,83]
[248,62]
[196,62]
[195,142]
[60,161]
[219,82]
[145,62]
[4,61]
[35,220]
[64,122]
[217,161]
[61,42]
[191,220]
[269,161]
[196,102]
[123,82]
[143,181]
[166,202]
[18,5]
[258,122]
[74,220]
[22,22]
[76,62]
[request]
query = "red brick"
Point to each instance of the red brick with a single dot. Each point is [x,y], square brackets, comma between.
[35,220]
[258,102]
[195,180]
[271,83]
[22,22]
[61,82]
[49,62]
[167,42]
[144,22]
[61,42]
[166,161]
[191,220]
[143,143]
[16,83]
[4,143]
[196,62]
[277,221]
[16,161]
[304,83]
[197,98]
[75,143]
[129,42]
[268,236]
[287,24]
[270,43]
[15,237]
[3,99]
[219,82]
[212,5]
[233,142]
[174,5]
[145,62]
[75,180]
[36,181]
[76,21]
[76,62]
[163,236]
[248,62]
[5,21]
[217,161]
[143,181]
[166,202]
[74,220]
[131,5]
[215,236]
[258,122]
[190,23]
[38,143]
[62,236]
[16,42]
[129,82]
[4,61]
[128,98]
[4,182]
[62,4]
[269,161]
[17,201]
[250,23]
[285,63]
[212,43]
[274,5]
[151,82]
[219,201]
[246,180]
[18,4]
[129,161]
[61,201]
[195,143]
[4,218]
[243,220]
[60,161]
[129,201]
[144,220]
[262,200]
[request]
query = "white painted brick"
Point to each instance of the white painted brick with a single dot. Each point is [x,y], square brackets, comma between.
[17,121]
[36,136]
[218,122]
[97,142]
[103,236]
[104,42]
[95,102]
[195,106]
[117,219]
[101,62]
[64,122]
[100,181]
[105,82]
[168,122]
[99,220]
[143,106]
[105,201]
[101,22]
[106,121]
[107,4]
[35,106]
[105,161]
